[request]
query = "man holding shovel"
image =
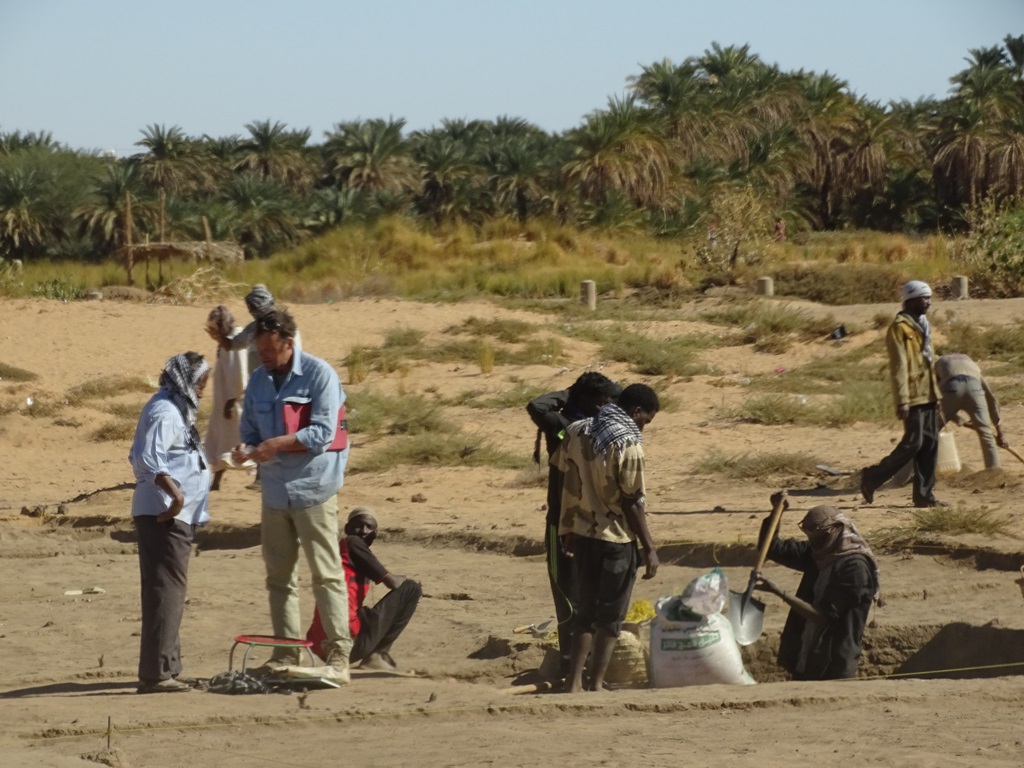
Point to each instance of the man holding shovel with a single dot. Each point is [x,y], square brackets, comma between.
[822,636]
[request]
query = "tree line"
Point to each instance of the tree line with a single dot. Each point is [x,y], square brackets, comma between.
[684,140]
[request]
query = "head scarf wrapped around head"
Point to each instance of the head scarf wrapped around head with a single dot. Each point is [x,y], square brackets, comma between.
[362,512]
[221,321]
[179,380]
[259,300]
[845,540]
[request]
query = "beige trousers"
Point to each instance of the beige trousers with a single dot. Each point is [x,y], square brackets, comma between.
[315,529]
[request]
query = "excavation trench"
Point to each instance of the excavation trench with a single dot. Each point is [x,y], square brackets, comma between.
[955,650]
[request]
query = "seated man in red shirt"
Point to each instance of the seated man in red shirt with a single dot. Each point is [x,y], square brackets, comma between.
[374,629]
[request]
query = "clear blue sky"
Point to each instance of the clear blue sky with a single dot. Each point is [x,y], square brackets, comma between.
[96,72]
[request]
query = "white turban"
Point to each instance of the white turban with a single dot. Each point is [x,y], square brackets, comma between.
[916,289]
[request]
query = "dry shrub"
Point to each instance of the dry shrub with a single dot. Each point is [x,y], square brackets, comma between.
[124,293]
[113,431]
[204,286]
[897,251]
[851,253]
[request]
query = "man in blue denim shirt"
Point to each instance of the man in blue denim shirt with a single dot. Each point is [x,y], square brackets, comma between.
[300,482]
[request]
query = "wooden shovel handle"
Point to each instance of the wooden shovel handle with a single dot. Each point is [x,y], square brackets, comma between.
[773,526]
[971,425]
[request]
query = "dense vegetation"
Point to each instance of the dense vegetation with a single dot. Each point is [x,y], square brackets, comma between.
[720,144]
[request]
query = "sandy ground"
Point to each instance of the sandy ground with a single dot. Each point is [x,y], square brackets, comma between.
[943,656]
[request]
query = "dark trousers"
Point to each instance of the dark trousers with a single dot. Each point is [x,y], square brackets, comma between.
[381,625]
[164,552]
[605,574]
[562,577]
[920,444]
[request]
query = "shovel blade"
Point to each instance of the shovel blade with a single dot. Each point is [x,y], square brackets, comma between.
[746,614]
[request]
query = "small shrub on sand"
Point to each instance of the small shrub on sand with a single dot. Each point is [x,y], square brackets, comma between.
[129,411]
[113,431]
[748,466]
[106,386]
[12,373]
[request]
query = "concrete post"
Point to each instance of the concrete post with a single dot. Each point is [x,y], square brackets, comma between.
[958,289]
[588,294]
[765,286]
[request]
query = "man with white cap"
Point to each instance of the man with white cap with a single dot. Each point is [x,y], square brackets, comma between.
[374,629]
[916,394]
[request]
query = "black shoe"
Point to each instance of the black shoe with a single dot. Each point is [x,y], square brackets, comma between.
[932,502]
[866,489]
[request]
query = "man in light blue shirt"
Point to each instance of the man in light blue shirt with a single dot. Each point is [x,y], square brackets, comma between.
[172,489]
[302,470]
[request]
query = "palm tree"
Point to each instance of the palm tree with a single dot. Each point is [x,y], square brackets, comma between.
[519,172]
[104,218]
[961,158]
[1006,156]
[262,215]
[447,167]
[371,155]
[274,152]
[25,213]
[621,149]
[171,163]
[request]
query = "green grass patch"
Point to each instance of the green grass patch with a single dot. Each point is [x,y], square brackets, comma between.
[647,356]
[373,413]
[759,319]
[516,396]
[750,466]
[943,521]
[403,346]
[856,402]
[436,450]
[13,373]
[508,331]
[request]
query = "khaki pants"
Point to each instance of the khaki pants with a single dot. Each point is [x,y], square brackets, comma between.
[316,530]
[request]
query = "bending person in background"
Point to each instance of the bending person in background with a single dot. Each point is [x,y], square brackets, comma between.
[303,467]
[172,489]
[374,630]
[603,516]
[229,375]
[552,413]
[822,636]
[963,388]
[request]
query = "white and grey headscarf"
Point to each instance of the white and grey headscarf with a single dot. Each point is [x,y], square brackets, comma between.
[259,300]
[613,426]
[179,380]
